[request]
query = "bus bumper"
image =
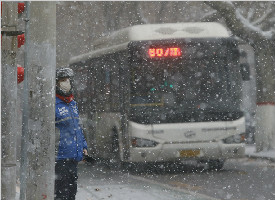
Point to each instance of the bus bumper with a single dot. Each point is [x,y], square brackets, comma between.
[194,151]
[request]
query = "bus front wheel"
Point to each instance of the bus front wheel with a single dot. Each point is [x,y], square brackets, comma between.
[115,161]
[215,164]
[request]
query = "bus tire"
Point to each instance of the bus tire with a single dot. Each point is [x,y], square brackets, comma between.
[216,165]
[115,161]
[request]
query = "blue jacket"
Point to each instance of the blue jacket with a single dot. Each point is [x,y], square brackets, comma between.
[69,137]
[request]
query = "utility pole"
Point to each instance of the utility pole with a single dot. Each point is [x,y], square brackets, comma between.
[9,126]
[40,139]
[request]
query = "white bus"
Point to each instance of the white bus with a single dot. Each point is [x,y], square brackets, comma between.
[159,93]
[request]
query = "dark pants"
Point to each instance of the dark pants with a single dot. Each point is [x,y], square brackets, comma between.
[65,180]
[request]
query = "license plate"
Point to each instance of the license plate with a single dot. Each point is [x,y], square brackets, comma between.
[189,153]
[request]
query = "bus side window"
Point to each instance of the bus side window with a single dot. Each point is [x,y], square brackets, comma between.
[114,89]
[100,87]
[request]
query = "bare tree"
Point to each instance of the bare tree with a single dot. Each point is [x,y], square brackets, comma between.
[254,23]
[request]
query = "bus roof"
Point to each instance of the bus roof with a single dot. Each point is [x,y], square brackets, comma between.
[119,40]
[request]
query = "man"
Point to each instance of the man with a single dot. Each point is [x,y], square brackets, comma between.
[70,141]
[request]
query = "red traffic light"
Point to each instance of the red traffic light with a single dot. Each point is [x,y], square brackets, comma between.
[20,40]
[21,7]
[20,74]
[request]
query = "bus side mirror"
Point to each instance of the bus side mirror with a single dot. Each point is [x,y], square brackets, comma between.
[245,71]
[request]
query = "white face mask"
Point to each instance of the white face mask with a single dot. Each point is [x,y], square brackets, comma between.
[65,85]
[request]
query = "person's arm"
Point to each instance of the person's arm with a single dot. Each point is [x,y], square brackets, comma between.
[85,146]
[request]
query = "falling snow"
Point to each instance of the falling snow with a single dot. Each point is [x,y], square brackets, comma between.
[201,102]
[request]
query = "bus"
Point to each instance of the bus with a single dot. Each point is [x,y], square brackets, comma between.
[162,93]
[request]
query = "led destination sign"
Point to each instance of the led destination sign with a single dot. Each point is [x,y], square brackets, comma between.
[166,52]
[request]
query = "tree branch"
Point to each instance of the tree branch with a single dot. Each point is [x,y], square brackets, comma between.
[251,26]
[264,17]
[234,21]
[211,16]
[250,13]
[143,19]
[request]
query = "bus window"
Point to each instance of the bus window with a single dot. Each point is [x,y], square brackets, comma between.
[200,80]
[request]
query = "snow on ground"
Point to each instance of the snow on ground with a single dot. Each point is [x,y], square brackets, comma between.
[140,189]
[250,151]
[128,192]
[152,190]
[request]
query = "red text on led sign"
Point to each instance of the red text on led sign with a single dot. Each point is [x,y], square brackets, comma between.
[164,52]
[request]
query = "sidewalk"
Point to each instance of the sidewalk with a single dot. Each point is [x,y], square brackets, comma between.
[250,151]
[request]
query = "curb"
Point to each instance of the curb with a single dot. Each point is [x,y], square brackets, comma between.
[261,157]
[167,186]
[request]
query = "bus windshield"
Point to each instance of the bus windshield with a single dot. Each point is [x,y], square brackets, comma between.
[199,86]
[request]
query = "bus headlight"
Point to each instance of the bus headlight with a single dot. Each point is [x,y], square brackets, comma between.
[140,142]
[239,138]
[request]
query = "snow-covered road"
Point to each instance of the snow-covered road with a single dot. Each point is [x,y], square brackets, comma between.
[95,183]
